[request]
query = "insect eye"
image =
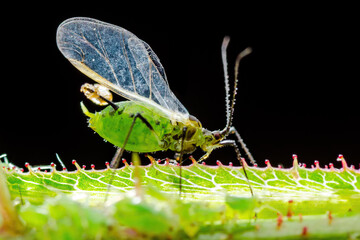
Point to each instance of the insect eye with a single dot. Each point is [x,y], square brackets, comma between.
[217,136]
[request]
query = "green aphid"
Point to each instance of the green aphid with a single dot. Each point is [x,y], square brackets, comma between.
[153,119]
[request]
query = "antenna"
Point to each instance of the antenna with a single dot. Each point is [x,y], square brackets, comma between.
[230,109]
[240,56]
[226,77]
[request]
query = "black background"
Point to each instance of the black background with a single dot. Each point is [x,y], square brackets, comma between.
[298,90]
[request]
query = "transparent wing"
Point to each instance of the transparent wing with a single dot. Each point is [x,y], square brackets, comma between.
[117,59]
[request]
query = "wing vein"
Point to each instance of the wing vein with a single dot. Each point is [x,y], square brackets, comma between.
[163,103]
[105,55]
[150,80]
[107,60]
[128,63]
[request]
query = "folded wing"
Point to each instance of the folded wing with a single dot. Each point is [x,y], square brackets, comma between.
[117,59]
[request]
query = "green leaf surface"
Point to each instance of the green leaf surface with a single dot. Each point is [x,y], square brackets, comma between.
[215,202]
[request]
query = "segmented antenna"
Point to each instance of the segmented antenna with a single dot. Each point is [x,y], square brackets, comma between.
[230,109]
[226,78]
[240,56]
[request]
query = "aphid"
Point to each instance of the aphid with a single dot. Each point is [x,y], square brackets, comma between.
[153,119]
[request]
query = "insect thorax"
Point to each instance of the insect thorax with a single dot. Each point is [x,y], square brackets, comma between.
[196,136]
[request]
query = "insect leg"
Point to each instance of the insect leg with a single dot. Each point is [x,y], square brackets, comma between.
[181,156]
[242,143]
[113,105]
[116,158]
[119,152]
[232,143]
[205,156]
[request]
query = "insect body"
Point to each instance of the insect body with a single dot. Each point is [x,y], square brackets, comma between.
[160,134]
[153,119]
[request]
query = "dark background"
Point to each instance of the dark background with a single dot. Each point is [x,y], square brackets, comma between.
[298,90]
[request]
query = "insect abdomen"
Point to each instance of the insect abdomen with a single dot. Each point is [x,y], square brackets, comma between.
[113,126]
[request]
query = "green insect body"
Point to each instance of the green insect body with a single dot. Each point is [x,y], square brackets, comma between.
[111,125]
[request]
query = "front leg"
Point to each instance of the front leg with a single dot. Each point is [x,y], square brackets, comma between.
[232,143]
[242,144]
[205,156]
